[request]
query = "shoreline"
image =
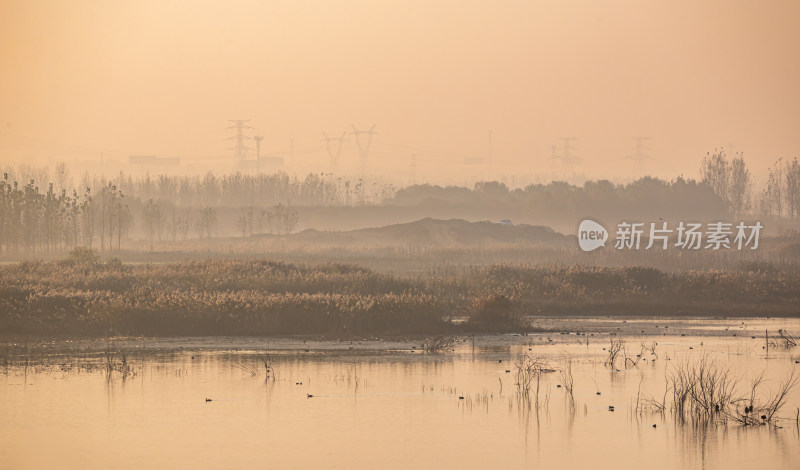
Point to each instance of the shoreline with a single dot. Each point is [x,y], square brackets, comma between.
[547,330]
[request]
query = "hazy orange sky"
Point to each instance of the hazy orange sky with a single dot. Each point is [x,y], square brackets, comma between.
[163,77]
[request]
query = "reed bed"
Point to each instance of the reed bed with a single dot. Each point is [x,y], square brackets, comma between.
[258,297]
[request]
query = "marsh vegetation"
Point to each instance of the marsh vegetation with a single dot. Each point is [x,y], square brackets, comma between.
[86,297]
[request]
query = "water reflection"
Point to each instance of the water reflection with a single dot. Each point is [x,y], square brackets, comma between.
[372,408]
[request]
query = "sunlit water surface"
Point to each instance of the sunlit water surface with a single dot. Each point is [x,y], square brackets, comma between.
[374,408]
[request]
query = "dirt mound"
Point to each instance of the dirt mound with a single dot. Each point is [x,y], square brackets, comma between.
[443,233]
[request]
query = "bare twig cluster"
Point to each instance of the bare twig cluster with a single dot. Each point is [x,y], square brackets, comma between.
[784,340]
[704,391]
[764,410]
[439,344]
[616,348]
[529,370]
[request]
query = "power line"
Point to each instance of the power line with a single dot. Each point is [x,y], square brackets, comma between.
[363,149]
[239,147]
[334,155]
[640,156]
[567,157]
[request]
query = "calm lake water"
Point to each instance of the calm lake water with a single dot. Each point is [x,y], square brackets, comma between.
[378,405]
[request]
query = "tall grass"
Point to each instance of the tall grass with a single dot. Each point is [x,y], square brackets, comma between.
[257,297]
[703,390]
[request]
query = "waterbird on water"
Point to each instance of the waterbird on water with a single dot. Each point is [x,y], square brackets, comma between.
[208,400]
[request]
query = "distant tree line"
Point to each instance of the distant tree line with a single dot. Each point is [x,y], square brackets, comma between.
[32,221]
[99,212]
[558,200]
[781,197]
[36,222]
[726,186]
[258,190]
[731,180]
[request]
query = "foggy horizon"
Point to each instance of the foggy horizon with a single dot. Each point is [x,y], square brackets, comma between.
[474,90]
[384,234]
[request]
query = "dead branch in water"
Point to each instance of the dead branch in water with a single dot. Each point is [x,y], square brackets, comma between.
[786,340]
[616,347]
[764,412]
[268,367]
[701,390]
[440,344]
[567,379]
[651,348]
[530,368]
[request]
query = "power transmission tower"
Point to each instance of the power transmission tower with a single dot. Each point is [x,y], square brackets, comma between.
[640,156]
[239,147]
[567,158]
[334,155]
[363,150]
[567,155]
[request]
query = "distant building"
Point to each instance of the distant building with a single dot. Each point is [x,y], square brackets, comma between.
[506,222]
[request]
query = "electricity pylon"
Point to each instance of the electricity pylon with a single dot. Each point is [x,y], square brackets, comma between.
[363,149]
[239,147]
[640,156]
[566,157]
[334,155]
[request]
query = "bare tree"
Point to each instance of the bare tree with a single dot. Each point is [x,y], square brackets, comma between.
[208,220]
[774,192]
[152,219]
[740,186]
[793,189]
[715,171]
